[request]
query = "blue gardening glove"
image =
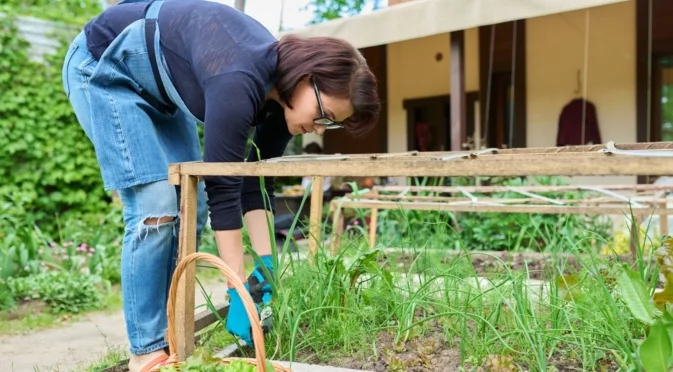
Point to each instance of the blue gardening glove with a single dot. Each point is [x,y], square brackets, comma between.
[238,323]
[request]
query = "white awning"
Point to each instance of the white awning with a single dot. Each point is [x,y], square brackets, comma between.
[421,18]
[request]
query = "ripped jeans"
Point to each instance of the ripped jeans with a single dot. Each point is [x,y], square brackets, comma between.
[149,257]
[136,135]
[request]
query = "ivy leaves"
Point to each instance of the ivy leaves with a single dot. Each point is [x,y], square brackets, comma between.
[48,161]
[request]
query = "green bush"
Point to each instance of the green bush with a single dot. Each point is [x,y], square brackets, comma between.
[62,291]
[7,301]
[496,231]
[20,241]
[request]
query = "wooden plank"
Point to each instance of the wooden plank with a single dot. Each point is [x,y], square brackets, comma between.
[448,199]
[207,317]
[184,312]
[520,151]
[611,165]
[315,220]
[586,148]
[532,209]
[485,154]
[174,174]
[493,189]
[426,155]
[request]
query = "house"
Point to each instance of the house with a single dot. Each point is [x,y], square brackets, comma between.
[503,71]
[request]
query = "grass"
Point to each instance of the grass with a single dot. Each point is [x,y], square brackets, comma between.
[361,310]
[111,358]
[429,310]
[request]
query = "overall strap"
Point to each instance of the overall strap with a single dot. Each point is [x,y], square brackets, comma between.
[150,30]
[153,9]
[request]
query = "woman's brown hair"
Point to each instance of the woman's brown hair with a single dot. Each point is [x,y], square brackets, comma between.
[338,69]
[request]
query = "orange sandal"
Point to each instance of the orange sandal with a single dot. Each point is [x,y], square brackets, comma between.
[155,363]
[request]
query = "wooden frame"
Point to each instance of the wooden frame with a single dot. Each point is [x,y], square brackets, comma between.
[596,160]
[648,199]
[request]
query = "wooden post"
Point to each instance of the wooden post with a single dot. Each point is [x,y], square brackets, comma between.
[458,106]
[372,225]
[635,235]
[337,226]
[315,236]
[663,218]
[184,312]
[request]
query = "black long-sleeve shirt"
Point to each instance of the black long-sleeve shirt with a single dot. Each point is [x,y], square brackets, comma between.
[222,63]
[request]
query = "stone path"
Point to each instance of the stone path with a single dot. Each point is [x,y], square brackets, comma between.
[74,346]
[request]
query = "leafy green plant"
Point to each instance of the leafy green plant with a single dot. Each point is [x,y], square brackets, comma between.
[63,292]
[202,361]
[655,313]
[7,301]
[20,240]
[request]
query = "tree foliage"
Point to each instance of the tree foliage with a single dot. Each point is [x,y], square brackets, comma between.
[326,10]
[74,12]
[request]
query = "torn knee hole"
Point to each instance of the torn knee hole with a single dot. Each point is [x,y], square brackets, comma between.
[152,221]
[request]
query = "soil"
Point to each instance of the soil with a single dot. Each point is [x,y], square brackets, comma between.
[539,266]
[432,353]
[26,308]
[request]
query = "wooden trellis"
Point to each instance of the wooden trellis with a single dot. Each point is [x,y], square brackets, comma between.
[641,200]
[597,160]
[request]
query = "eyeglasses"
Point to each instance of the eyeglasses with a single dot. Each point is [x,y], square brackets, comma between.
[323,119]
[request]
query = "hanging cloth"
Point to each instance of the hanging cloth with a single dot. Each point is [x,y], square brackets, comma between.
[423,136]
[570,124]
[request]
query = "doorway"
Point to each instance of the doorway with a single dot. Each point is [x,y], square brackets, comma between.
[429,122]
[429,127]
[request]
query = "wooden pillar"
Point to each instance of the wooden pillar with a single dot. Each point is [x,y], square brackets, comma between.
[663,218]
[458,106]
[337,226]
[184,312]
[315,221]
[373,221]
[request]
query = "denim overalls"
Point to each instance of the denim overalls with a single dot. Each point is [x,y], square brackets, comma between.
[136,134]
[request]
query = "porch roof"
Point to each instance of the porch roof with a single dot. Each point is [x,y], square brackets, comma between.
[421,18]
